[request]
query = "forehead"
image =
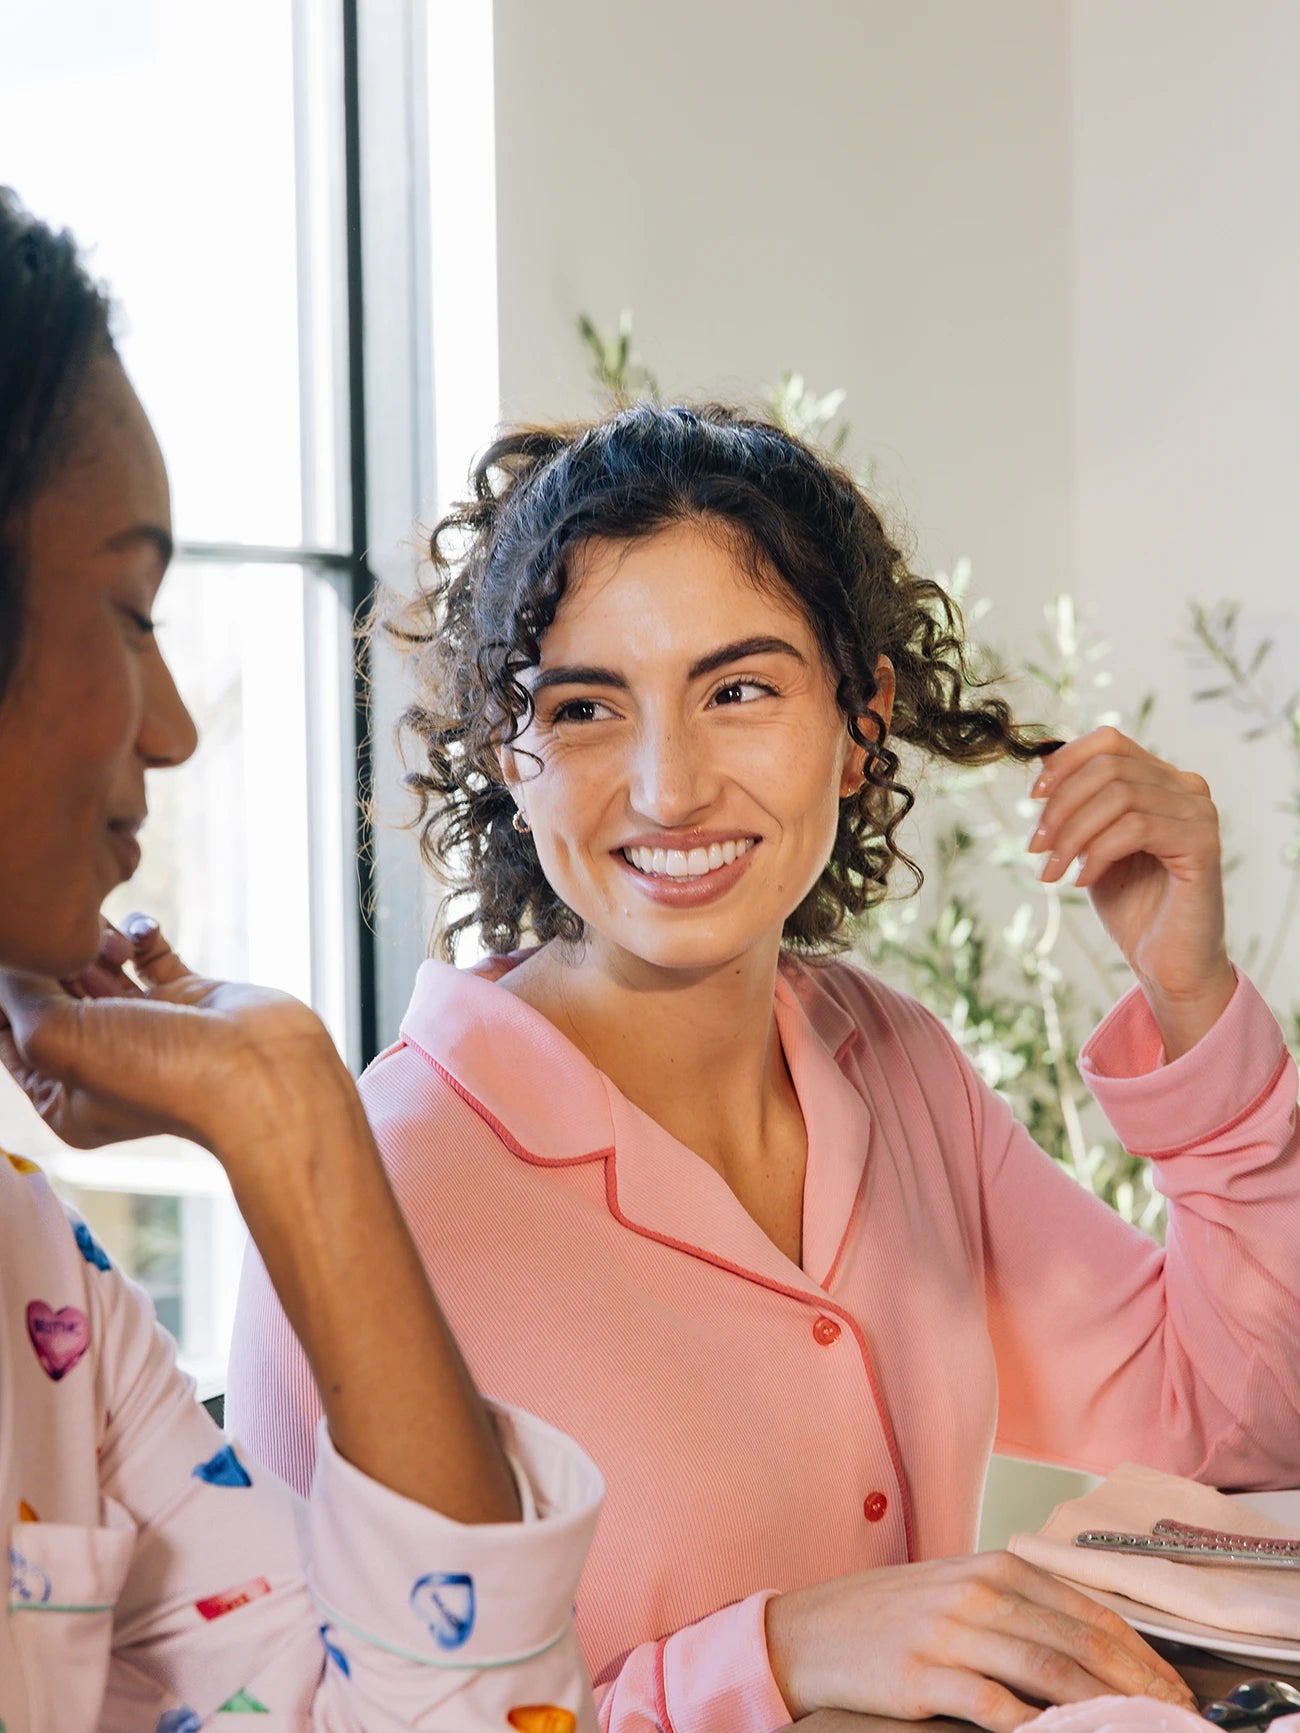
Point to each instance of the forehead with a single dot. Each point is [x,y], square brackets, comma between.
[110,477]
[686,587]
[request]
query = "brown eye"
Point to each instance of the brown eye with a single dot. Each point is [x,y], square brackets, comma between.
[577,710]
[743,692]
[142,623]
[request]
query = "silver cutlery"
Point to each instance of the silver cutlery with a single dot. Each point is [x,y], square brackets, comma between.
[1189,1547]
[1253,1704]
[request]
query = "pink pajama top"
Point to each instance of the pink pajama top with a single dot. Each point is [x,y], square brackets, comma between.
[157,1581]
[763,1426]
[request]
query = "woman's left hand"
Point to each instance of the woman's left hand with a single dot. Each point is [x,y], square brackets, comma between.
[1146,837]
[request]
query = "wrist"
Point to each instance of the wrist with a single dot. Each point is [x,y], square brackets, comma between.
[1185,1016]
[269,1093]
[782,1622]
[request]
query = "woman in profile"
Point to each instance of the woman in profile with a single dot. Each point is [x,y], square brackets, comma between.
[741,1218]
[158,1580]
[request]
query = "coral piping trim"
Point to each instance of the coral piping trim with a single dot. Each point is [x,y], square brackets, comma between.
[490,1119]
[823,1301]
[1222,1130]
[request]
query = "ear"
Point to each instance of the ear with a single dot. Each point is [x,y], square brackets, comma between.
[882,707]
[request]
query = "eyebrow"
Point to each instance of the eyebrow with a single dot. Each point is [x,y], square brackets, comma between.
[572,675]
[151,535]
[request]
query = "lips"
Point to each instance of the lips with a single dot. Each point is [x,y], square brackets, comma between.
[122,840]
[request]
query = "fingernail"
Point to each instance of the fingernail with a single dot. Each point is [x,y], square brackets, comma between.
[1039,789]
[140,927]
[114,947]
[1040,835]
[1168,1693]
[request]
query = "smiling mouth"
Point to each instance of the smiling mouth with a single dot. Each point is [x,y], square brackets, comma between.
[695,863]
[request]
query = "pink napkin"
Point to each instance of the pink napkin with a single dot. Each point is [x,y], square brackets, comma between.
[1257,1603]
[1130,1715]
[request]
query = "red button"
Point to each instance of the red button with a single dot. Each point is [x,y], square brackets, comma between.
[875,1507]
[825,1331]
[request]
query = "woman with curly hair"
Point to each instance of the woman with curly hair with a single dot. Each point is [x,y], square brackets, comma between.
[738,1216]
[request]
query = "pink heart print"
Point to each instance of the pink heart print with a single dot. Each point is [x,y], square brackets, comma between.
[59,1338]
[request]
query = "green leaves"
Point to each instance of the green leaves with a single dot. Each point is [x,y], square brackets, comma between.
[612,363]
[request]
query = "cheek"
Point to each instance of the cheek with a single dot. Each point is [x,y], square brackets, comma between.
[72,732]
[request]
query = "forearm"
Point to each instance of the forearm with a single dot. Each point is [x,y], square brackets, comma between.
[399,1400]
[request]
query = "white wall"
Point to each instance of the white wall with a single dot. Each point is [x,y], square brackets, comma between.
[868,192]
[1185,179]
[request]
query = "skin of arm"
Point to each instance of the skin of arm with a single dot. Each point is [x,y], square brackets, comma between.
[254,1077]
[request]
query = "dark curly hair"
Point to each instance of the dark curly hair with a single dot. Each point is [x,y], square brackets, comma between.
[54,320]
[501,562]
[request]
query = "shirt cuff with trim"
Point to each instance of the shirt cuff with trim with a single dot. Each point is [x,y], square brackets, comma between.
[451,1594]
[717,1673]
[1157,1108]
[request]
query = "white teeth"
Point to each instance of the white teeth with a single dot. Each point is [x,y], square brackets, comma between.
[676,863]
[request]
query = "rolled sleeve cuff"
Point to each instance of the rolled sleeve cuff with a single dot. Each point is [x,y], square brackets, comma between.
[1166,1109]
[717,1673]
[450,1594]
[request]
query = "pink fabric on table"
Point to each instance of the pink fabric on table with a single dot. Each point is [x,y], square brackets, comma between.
[1257,1603]
[761,1425]
[1128,1715]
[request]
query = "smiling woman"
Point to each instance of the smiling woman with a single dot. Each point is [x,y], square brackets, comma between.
[94,705]
[743,1219]
[788,526]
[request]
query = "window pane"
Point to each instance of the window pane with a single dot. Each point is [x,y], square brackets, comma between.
[247,863]
[244,851]
[171,138]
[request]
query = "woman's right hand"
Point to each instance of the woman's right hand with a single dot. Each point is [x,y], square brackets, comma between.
[987,1639]
[102,1059]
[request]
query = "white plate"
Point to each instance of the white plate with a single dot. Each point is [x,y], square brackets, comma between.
[1283,1507]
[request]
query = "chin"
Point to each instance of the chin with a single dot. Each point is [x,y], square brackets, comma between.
[56,943]
[687,952]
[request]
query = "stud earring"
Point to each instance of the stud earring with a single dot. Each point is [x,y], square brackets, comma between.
[520,823]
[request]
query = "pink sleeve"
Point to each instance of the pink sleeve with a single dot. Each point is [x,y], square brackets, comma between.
[1110,1347]
[710,1677]
[271,1400]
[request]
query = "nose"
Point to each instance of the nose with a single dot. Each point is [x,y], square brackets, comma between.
[673,780]
[167,734]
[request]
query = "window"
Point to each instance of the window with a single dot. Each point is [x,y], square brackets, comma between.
[236,175]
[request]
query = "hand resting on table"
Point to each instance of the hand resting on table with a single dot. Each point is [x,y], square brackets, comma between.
[984,1639]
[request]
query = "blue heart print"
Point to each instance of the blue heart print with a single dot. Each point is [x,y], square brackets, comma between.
[223,1469]
[179,1721]
[90,1247]
[445,1602]
[28,1584]
[335,1654]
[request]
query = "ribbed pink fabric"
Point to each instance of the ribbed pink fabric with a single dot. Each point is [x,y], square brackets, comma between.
[763,1426]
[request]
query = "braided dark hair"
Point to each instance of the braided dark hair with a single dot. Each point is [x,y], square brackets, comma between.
[501,562]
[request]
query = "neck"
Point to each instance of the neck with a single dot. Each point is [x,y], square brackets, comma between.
[698,1052]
